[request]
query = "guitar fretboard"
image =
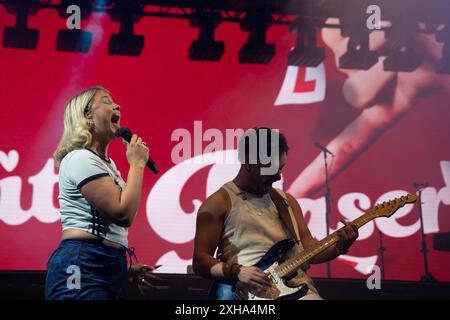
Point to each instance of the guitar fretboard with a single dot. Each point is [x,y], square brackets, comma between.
[291,265]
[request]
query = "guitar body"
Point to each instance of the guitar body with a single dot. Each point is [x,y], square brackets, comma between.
[281,290]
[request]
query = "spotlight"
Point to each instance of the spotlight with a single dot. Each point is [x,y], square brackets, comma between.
[401,56]
[84,5]
[125,42]
[353,25]
[126,45]
[20,36]
[103,3]
[401,61]
[256,50]
[306,53]
[205,48]
[74,40]
[443,65]
[358,55]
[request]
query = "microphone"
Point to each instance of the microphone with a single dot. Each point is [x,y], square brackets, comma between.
[126,134]
[324,149]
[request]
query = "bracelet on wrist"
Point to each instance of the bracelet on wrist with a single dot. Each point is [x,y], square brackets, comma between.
[231,272]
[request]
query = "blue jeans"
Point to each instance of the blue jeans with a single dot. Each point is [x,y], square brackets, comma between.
[83,269]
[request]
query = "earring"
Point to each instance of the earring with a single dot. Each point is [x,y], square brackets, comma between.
[90,123]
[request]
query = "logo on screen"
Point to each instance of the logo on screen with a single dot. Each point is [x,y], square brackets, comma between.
[302,85]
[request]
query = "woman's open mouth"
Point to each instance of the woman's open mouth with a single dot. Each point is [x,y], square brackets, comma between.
[115,120]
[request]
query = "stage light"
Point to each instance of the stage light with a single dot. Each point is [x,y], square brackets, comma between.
[256,50]
[20,36]
[84,5]
[402,56]
[125,42]
[74,40]
[205,48]
[103,3]
[401,61]
[358,55]
[306,53]
[126,45]
[443,65]
[353,25]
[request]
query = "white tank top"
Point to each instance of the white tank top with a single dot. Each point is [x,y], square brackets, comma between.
[251,228]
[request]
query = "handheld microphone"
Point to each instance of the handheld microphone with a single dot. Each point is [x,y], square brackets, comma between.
[125,133]
[324,149]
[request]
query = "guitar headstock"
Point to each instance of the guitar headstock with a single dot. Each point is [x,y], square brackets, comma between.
[388,208]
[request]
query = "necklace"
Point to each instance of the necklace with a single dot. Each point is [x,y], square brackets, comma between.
[264,201]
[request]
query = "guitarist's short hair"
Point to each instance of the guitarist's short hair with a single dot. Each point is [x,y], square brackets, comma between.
[250,144]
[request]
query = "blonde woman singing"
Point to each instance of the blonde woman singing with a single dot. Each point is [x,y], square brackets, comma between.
[97,206]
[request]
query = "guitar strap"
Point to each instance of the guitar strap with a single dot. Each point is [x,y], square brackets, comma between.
[285,211]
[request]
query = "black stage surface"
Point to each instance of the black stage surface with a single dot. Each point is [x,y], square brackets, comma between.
[30,285]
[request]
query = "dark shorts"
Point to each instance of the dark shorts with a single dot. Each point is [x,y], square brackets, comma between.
[83,269]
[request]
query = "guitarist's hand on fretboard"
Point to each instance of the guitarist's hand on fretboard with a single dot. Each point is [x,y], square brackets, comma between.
[347,236]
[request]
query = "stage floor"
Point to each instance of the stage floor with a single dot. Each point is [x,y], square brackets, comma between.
[29,285]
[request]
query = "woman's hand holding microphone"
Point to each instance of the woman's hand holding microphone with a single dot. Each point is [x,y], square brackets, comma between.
[137,151]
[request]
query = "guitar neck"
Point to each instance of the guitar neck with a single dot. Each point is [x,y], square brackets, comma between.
[292,264]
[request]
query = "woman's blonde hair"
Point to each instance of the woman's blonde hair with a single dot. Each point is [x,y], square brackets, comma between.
[76,133]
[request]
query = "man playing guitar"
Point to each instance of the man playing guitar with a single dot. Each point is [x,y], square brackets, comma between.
[245,219]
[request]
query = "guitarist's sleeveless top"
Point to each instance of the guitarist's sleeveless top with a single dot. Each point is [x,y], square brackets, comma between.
[251,228]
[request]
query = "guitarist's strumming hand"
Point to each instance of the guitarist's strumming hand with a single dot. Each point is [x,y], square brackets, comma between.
[254,277]
[347,236]
[255,280]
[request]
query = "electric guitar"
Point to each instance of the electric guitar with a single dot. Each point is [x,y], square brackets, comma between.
[280,270]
